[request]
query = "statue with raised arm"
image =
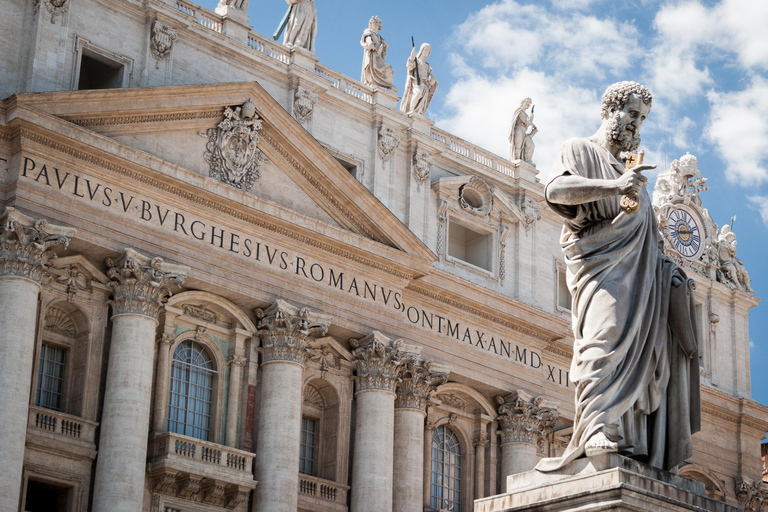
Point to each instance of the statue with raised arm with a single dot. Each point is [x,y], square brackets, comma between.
[301,28]
[376,71]
[522,129]
[421,84]
[635,366]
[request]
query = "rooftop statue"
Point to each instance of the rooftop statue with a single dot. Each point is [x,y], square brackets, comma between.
[301,27]
[421,84]
[376,71]
[635,363]
[521,133]
[237,4]
[731,271]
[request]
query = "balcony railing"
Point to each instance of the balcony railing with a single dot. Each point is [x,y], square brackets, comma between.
[476,153]
[186,452]
[59,425]
[325,490]
[344,83]
[268,47]
[201,15]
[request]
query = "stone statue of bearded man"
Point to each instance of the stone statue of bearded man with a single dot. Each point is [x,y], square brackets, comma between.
[635,362]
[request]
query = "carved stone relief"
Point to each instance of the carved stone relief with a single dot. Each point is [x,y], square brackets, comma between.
[378,360]
[531,211]
[74,280]
[388,141]
[233,150]
[286,331]
[422,166]
[418,380]
[161,41]
[525,419]
[454,401]
[504,233]
[442,216]
[54,7]
[303,104]
[476,196]
[59,321]
[200,312]
[750,494]
[313,397]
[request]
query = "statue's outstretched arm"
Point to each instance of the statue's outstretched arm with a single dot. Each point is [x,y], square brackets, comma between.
[572,190]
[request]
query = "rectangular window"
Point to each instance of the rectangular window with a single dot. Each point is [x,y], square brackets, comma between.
[470,246]
[50,377]
[307,459]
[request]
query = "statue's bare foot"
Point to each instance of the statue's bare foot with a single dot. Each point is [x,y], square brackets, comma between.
[599,444]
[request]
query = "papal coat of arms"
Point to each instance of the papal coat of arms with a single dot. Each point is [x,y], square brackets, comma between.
[232,150]
[161,41]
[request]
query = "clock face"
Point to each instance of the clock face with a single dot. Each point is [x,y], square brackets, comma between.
[685,233]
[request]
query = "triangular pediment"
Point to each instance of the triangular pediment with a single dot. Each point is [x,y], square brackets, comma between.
[178,124]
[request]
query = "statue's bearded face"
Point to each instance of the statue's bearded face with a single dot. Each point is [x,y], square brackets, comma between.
[624,124]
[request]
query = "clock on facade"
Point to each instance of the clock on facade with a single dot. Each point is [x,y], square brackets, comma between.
[685,232]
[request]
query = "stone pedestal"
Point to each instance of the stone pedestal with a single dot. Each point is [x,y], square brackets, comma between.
[24,253]
[285,332]
[606,483]
[140,287]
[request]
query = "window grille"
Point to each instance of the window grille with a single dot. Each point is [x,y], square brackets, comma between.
[50,378]
[445,491]
[191,391]
[307,459]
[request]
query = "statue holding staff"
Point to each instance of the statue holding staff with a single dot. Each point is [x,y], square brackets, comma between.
[421,84]
[635,362]
[376,71]
[300,24]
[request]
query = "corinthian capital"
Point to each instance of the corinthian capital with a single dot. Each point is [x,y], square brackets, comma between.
[418,381]
[286,331]
[524,418]
[141,285]
[26,243]
[378,360]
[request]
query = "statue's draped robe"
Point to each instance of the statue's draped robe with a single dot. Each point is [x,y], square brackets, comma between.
[417,96]
[302,25]
[520,124]
[635,366]
[376,71]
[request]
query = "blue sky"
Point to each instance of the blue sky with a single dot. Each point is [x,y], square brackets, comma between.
[706,63]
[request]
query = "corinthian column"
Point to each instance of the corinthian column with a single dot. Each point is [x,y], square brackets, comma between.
[418,381]
[285,333]
[25,249]
[378,361]
[524,423]
[140,286]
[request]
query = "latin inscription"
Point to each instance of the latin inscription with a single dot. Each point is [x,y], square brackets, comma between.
[248,246]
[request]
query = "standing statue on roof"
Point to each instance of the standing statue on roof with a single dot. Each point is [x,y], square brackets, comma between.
[421,84]
[521,133]
[300,23]
[635,365]
[376,71]
[237,4]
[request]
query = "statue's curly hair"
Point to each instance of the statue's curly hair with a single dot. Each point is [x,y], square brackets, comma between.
[617,95]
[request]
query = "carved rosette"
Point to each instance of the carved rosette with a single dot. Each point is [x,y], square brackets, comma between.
[422,165]
[378,360]
[140,285]
[418,380]
[303,104]
[750,494]
[525,419]
[388,141]
[232,151]
[286,331]
[161,41]
[26,244]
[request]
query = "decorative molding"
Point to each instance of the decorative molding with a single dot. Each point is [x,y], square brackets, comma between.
[750,494]
[193,197]
[503,234]
[59,321]
[377,361]
[161,41]
[166,339]
[325,357]
[525,419]
[476,196]
[188,486]
[388,140]
[454,401]
[422,166]
[418,381]
[235,497]
[232,150]
[141,285]
[442,216]
[304,102]
[200,312]
[26,244]
[88,122]
[313,397]
[74,280]
[55,8]
[236,360]
[213,492]
[163,483]
[286,331]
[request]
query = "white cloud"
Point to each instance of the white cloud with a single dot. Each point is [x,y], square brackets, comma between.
[738,127]
[760,203]
[572,4]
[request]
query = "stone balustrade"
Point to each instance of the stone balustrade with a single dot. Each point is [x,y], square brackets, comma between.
[61,426]
[316,493]
[469,150]
[200,14]
[268,48]
[345,83]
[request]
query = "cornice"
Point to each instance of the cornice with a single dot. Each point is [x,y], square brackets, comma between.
[158,117]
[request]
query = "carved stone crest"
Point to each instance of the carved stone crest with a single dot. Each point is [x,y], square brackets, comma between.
[161,41]
[388,141]
[531,212]
[422,165]
[233,150]
[54,7]
[303,104]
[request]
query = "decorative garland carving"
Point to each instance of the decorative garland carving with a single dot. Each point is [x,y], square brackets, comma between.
[233,150]
[286,331]
[141,285]
[525,419]
[26,243]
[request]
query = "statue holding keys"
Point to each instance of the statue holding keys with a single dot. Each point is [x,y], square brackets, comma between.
[635,362]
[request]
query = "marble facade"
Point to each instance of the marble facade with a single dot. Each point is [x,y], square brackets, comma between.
[335,260]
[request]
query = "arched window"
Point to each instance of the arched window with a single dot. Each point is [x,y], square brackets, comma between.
[191,392]
[445,490]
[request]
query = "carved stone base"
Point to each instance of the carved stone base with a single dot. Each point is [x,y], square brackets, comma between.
[608,482]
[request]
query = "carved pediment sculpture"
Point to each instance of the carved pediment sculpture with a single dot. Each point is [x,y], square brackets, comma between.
[233,150]
[161,41]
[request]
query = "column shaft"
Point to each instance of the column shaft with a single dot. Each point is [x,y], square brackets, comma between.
[374,444]
[119,484]
[408,481]
[480,468]
[18,314]
[233,400]
[279,438]
[516,458]
[162,382]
